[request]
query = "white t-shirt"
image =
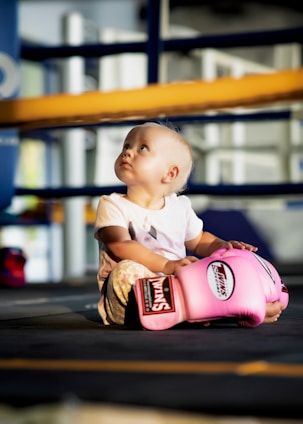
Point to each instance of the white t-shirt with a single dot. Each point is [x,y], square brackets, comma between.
[163,231]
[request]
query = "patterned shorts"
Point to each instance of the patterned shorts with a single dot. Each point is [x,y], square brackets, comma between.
[117,305]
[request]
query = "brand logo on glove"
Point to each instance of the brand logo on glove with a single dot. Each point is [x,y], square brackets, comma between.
[157,295]
[220,279]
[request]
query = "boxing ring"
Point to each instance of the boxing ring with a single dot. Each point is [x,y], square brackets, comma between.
[51,333]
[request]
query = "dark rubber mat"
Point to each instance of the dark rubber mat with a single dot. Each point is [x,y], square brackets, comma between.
[54,347]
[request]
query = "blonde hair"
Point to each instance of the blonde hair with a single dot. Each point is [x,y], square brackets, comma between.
[185,165]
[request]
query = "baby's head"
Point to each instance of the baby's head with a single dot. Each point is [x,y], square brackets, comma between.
[175,151]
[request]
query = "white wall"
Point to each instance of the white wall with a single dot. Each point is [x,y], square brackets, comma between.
[41,21]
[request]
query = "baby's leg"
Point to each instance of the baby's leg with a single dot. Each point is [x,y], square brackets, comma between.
[119,298]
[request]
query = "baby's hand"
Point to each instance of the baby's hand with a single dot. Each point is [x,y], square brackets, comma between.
[241,245]
[222,244]
[171,266]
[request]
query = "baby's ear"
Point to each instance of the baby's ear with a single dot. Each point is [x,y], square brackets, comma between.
[171,174]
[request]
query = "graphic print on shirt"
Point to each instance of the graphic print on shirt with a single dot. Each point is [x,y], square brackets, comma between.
[161,239]
[147,234]
[153,232]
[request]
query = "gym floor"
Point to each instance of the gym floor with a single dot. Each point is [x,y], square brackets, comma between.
[58,359]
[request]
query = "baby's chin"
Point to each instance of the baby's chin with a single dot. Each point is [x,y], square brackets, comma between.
[120,177]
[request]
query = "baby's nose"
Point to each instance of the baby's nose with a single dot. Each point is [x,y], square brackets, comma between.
[126,152]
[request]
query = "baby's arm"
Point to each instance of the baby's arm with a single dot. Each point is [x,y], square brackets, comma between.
[207,243]
[120,244]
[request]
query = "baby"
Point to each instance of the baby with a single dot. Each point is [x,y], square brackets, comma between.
[148,230]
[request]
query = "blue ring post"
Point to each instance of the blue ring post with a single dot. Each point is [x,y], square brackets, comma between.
[154,42]
[9,86]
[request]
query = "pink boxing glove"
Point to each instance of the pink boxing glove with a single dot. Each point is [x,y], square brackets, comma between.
[230,283]
[160,303]
[274,288]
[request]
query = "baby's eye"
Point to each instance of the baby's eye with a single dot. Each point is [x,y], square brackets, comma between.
[143,147]
[125,147]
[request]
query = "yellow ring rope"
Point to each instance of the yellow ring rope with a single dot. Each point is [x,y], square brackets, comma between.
[152,101]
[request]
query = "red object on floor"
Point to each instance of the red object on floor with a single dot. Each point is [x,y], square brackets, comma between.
[12,262]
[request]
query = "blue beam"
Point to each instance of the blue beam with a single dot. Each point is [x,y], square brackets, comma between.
[220,190]
[34,52]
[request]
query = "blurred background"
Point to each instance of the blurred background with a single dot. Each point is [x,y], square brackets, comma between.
[56,235]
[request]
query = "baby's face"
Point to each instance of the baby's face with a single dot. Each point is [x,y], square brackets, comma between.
[146,155]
